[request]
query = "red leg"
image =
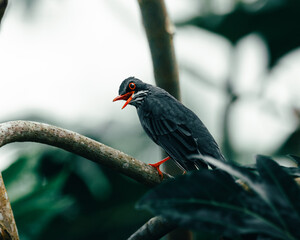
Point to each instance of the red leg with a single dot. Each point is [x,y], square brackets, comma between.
[157,165]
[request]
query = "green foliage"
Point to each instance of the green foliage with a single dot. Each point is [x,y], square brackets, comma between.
[34,200]
[58,195]
[211,200]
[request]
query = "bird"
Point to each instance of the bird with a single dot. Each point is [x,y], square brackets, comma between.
[170,124]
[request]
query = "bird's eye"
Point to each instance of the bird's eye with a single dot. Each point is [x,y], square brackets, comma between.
[131,86]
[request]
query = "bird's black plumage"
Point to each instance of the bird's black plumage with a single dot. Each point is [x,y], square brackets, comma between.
[170,124]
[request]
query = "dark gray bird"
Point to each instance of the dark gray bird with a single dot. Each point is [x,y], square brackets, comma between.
[170,124]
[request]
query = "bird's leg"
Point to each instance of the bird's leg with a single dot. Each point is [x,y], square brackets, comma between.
[157,165]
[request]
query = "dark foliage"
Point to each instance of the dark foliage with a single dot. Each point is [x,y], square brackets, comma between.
[275,21]
[292,143]
[211,200]
[58,195]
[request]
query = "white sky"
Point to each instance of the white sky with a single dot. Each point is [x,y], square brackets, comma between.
[69,60]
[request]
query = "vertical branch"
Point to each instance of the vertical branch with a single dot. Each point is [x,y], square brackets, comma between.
[8,228]
[3,5]
[160,31]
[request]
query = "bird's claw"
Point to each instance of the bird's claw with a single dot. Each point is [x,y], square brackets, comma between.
[156,166]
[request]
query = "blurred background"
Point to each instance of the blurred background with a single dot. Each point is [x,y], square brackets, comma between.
[62,62]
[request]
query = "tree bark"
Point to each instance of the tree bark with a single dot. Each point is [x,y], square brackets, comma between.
[3,5]
[160,31]
[8,228]
[26,131]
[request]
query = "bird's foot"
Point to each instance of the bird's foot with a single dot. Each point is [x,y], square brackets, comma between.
[157,165]
[158,170]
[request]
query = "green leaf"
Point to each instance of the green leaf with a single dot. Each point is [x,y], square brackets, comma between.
[282,191]
[36,209]
[20,177]
[242,173]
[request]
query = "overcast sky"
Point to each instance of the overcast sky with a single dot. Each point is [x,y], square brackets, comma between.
[68,60]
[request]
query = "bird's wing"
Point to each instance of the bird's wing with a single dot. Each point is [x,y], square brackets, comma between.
[177,130]
[174,138]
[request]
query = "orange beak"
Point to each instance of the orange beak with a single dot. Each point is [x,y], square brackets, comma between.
[126,96]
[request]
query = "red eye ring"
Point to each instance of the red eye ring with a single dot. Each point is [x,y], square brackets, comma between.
[131,85]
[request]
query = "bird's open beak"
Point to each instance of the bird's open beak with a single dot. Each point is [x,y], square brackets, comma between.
[126,96]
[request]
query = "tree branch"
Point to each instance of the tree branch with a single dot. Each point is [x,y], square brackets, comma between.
[3,5]
[154,229]
[8,228]
[26,131]
[160,31]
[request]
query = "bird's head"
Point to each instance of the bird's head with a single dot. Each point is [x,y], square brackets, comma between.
[133,91]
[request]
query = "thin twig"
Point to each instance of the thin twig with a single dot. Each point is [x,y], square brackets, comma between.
[154,229]
[26,131]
